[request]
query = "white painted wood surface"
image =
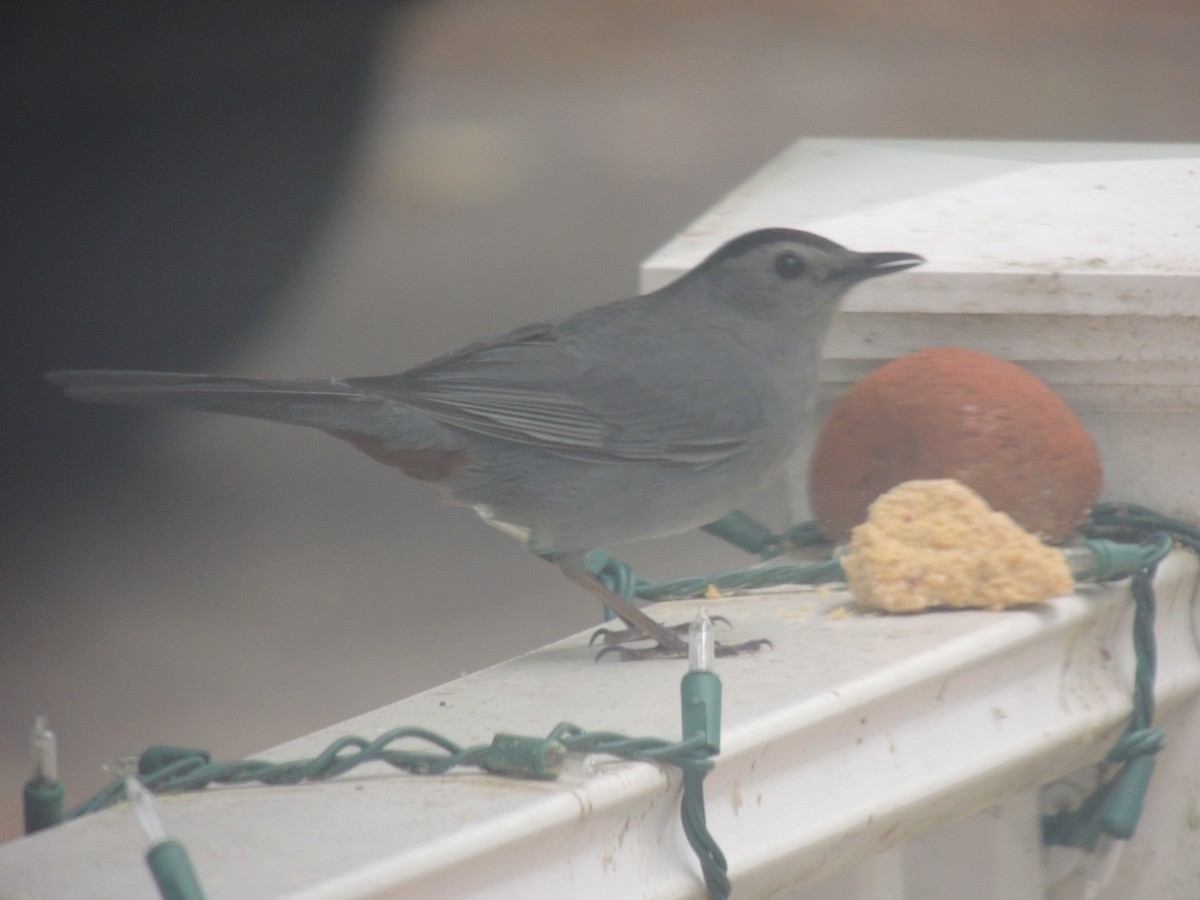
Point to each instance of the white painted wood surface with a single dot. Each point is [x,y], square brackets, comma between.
[855,735]
[1080,262]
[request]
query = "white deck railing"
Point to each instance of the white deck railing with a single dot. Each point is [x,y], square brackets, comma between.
[864,756]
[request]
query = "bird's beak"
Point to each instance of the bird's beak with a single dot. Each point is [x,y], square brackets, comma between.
[871,265]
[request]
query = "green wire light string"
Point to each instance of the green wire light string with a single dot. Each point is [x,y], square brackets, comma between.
[1113,809]
[744,533]
[165,770]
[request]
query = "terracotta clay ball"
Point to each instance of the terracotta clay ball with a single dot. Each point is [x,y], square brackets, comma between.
[954,413]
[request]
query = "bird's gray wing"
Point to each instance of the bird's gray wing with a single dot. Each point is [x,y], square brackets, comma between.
[532,388]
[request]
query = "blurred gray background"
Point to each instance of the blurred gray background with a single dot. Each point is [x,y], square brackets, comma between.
[349,189]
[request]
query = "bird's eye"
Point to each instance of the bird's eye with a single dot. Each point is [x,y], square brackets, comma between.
[789,266]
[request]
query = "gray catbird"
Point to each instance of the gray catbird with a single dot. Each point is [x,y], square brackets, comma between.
[634,419]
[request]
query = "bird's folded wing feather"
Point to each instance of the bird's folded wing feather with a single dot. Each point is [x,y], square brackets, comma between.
[530,388]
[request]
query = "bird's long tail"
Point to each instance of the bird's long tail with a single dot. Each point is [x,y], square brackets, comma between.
[319,404]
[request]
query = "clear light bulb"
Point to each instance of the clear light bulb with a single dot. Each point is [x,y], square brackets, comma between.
[45,751]
[143,806]
[701,643]
[1101,866]
[1080,560]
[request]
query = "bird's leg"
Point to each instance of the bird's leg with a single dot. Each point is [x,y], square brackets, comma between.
[668,641]
[668,644]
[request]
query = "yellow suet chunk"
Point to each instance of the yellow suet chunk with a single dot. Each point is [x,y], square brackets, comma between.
[938,543]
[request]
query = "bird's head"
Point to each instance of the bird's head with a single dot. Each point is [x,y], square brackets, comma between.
[766,272]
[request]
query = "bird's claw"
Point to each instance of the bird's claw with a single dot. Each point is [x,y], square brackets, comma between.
[610,636]
[752,646]
[658,651]
[654,651]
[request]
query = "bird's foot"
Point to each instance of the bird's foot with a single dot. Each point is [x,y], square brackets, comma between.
[669,642]
[659,651]
[611,636]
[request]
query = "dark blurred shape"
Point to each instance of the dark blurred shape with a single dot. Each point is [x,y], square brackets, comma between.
[165,169]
